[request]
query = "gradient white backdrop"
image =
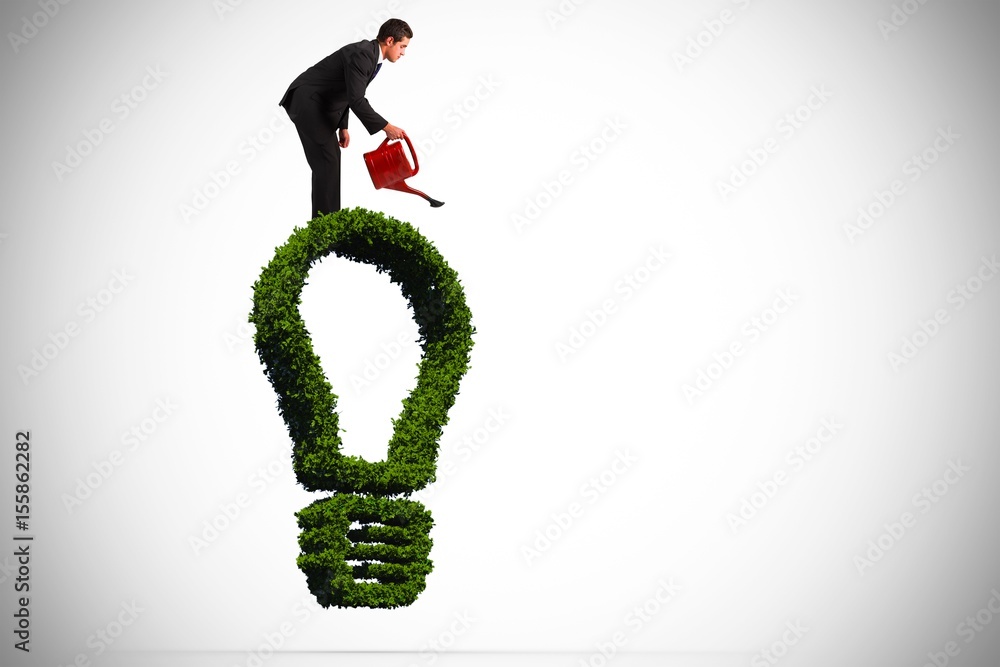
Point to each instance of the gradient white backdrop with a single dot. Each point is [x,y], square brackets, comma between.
[503,99]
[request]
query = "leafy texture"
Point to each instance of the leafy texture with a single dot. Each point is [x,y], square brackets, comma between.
[389,553]
[306,400]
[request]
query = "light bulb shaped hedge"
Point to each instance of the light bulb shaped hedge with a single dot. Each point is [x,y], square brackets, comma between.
[305,398]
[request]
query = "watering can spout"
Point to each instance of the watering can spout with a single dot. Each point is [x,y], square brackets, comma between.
[389,168]
[403,187]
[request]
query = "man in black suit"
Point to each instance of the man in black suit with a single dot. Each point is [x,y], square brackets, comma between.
[318,102]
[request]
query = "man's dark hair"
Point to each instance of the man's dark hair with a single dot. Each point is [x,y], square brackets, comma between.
[395,28]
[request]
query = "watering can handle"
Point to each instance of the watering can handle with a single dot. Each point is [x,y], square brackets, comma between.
[413,153]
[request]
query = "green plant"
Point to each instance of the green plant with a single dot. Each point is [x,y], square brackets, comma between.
[308,405]
[391,546]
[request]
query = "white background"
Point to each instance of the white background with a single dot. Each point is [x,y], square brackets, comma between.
[502,99]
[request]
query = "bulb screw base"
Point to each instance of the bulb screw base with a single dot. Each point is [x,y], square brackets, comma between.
[365,551]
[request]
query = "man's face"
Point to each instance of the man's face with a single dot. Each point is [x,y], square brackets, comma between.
[395,50]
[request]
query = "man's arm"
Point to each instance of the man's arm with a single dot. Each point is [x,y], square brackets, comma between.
[358,68]
[393,132]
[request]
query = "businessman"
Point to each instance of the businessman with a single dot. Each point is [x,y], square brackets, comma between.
[318,102]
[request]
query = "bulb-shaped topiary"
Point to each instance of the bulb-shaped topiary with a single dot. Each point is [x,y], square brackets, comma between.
[390,553]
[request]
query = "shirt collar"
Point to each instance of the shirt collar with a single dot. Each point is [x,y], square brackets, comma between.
[378,54]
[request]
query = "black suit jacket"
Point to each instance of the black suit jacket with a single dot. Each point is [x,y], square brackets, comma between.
[325,92]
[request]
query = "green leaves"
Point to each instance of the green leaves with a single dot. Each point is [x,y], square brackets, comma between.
[305,398]
[396,566]
[393,549]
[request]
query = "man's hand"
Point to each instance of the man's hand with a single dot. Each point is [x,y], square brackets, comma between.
[393,132]
[345,137]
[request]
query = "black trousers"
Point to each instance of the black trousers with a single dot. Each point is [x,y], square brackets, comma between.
[324,160]
[312,121]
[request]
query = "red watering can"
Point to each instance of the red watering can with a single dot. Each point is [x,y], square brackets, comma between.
[388,166]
